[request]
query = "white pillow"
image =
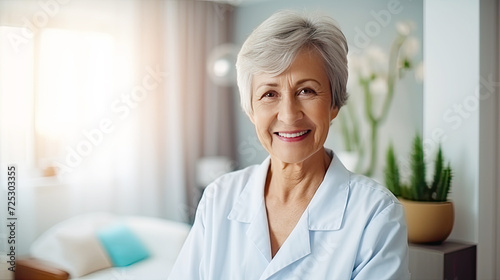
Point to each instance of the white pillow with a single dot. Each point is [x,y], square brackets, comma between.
[73,245]
[163,238]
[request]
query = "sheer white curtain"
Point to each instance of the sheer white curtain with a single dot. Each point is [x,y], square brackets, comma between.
[148,165]
[199,118]
[134,136]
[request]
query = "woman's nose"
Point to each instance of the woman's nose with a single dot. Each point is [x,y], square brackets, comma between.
[289,111]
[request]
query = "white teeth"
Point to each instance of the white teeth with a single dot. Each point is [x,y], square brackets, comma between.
[292,135]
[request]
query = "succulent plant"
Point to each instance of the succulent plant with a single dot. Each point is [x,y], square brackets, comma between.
[417,188]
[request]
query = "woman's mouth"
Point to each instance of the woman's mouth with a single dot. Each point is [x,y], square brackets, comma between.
[293,136]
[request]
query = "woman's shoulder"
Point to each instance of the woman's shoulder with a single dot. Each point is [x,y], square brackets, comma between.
[230,184]
[360,186]
[370,199]
[237,177]
[365,188]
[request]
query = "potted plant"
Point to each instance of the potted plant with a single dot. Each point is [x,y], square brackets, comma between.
[429,214]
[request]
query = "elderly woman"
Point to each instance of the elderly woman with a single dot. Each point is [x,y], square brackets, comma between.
[300,214]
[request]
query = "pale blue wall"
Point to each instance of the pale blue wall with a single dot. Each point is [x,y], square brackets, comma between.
[406,113]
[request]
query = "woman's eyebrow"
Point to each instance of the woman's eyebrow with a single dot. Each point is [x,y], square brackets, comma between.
[299,82]
[266,84]
[307,80]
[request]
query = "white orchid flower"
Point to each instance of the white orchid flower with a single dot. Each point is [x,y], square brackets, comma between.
[358,67]
[377,59]
[410,47]
[378,86]
[405,28]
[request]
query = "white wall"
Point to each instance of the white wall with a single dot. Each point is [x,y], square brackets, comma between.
[459,111]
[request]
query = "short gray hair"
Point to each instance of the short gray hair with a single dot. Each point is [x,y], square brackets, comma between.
[274,44]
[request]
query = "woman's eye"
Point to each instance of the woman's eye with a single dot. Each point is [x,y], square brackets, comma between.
[307,91]
[269,94]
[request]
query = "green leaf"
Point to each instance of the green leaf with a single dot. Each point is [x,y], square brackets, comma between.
[444,184]
[392,172]
[417,180]
[438,170]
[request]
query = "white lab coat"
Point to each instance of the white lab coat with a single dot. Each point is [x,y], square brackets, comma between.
[353,228]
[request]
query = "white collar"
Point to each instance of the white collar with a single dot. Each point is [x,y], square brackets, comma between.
[326,209]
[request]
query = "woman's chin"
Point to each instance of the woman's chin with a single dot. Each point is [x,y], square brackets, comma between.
[295,156]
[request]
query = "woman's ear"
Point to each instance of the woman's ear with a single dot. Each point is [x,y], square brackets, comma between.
[250,116]
[334,112]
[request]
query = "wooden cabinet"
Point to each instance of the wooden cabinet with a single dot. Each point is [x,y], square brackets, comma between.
[449,260]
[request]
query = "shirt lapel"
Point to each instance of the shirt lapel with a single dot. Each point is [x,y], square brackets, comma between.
[250,208]
[296,246]
[326,209]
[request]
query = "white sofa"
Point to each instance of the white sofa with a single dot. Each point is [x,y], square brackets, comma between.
[72,246]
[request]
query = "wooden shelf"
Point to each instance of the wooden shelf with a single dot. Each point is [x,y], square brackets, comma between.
[448,260]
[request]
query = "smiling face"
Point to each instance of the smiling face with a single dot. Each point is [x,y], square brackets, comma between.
[292,111]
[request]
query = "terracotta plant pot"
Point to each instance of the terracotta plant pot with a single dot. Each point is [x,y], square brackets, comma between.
[428,222]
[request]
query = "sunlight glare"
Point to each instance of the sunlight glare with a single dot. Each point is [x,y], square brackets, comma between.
[75,73]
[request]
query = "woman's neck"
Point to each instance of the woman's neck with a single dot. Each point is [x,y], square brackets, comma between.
[296,182]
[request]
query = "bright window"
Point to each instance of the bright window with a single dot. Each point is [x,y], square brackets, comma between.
[74,77]
[16,98]
[50,90]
